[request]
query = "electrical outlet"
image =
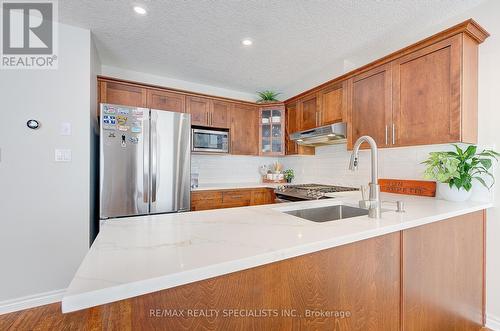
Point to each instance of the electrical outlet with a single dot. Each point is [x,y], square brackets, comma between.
[62,155]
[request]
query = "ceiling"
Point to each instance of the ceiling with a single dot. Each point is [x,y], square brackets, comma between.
[200,40]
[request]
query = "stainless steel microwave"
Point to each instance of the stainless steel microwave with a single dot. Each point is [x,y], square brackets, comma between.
[210,141]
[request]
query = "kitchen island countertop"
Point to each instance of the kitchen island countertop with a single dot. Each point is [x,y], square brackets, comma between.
[139,255]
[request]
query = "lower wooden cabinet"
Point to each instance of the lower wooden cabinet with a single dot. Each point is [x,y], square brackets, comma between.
[443,274]
[216,199]
[429,277]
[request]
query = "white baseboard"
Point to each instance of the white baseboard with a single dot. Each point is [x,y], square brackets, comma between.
[31,301]
[492,322]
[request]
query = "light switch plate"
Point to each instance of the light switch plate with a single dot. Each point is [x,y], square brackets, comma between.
[65,129]
[62,155]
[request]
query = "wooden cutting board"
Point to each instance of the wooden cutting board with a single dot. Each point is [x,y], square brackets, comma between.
[409,187]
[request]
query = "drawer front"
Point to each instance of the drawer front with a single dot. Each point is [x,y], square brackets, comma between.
[236,198]
[204,200]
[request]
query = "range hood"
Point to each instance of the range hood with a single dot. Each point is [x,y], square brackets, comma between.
[325,135]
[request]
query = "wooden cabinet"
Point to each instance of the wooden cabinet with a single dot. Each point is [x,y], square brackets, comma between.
[371,105]
[216,199]
[199,108]
[220,112]
[308,112]
[208,112]
[244,132]
[122,94]
[427,95]
[292,120]
[442,274]
[327,106]
[203,200]
[333,103]
[163,100]
[262,196]
[272,130]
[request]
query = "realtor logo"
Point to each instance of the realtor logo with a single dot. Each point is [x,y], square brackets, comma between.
[29,34]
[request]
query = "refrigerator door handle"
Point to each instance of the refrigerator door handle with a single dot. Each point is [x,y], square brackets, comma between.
[145,163]
[154,156]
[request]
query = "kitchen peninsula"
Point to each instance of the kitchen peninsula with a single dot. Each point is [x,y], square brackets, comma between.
[427,261]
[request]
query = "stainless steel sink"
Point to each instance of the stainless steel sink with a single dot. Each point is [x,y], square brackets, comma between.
[330,213]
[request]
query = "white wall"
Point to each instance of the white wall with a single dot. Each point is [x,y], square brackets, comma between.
[175,83]
[44,219]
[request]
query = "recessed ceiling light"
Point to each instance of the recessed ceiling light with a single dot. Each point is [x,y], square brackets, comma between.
[247,42]
[139,10]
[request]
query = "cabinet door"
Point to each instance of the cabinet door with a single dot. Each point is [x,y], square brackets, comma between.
[244,130]
[333,103]
[123,94]
[371,106]
[442,274]
[426,87]
[203,200]
[163,100]
[291,127]
[219,117]
[262,196]
[308,112]
[199,108]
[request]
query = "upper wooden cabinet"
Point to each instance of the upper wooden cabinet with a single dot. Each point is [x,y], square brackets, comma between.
[333,103]
[272,130]
[199,108]
[428,96]
[427,93]
[308,112]
[371,105]
[122,94]
[292,125]
[244,132]
[220,113]
[208,112]
[163,100]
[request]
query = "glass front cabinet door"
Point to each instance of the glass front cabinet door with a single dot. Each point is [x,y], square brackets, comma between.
[272,130]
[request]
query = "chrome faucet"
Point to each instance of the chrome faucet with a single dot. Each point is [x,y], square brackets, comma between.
[373,204]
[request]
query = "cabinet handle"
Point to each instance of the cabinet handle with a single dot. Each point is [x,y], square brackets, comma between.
[210,117]
[386,136]
[393,134]
[316,118]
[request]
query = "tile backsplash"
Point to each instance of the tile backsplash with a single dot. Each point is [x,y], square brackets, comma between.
[220,169]
[328,166]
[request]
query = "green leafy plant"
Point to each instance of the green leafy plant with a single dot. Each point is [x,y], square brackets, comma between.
[460,167]
[268,96]
[289,174]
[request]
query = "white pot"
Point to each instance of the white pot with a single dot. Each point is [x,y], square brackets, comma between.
[453,194]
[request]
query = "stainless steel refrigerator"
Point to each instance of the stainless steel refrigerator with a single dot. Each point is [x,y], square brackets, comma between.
[145,161]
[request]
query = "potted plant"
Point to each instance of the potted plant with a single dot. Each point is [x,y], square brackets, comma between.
[455,171]
[268,96]
[289,175]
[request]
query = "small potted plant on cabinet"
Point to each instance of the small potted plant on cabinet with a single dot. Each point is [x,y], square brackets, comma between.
[455,171]
[268,96]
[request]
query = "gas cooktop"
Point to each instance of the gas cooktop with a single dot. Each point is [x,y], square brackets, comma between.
[301,192]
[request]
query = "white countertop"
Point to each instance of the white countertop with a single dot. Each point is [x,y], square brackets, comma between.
[228,186]
[140,255]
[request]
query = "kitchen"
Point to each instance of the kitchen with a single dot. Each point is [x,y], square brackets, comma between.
[415,95]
